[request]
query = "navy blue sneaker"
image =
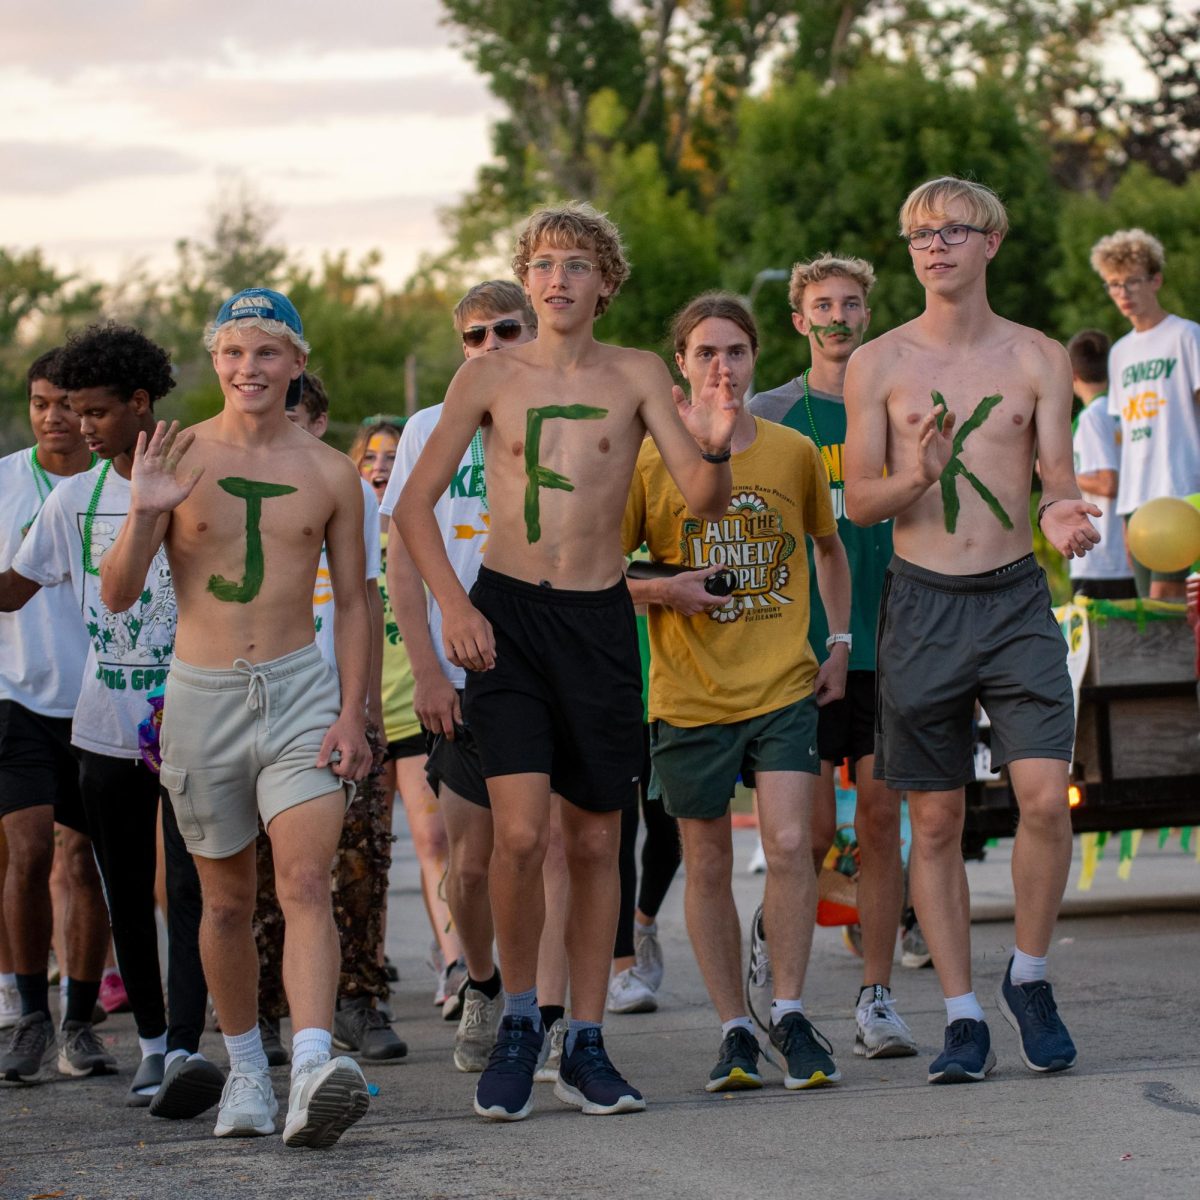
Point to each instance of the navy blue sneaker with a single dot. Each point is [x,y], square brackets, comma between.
[505,1089]
[967,1056]
[802,1052]
[588,1080]
[1030,1009]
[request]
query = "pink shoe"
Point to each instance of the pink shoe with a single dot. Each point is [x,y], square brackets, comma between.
[113,997]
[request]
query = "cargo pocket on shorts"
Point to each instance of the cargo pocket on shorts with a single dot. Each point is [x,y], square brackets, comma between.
[175,781]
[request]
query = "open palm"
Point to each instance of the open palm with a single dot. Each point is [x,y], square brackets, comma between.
[156,484]
[713,411]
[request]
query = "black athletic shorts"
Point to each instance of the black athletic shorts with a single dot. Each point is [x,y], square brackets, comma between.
[946,641]
[406,747]
[1106,589]
[455,762]
[846,727]
[565,695]
[38,765]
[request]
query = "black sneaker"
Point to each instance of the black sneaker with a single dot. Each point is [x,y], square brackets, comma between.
[804,1055]
[737,1066]
[588,1080]
[967,1055]
[31,1052]
[359,1027]
[1030,1009]
[81,1053]
[190,1086]
[272,1043]
[505,1089]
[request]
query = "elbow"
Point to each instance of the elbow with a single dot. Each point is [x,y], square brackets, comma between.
[854,507]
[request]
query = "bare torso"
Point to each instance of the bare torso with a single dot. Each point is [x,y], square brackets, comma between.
[997,437]
[582,426]
[244,545]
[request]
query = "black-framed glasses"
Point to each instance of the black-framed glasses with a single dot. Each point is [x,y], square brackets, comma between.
[951,235]
[507,330]
[1113,286]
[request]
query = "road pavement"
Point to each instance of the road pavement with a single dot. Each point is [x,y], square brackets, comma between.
[1124,1123]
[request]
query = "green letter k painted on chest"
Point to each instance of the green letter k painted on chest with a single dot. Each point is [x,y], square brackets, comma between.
[954,468]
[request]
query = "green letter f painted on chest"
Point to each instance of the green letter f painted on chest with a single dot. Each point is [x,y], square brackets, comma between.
[542,477]
[954,468]
[254,493]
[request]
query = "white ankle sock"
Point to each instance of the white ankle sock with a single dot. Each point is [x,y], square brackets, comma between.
[245,1050]
[737,1023]
[781,1008]
[171,1057]
[309,1046]
[1026,968]
[150,1046]
[965,1007]
[649,927]
[6,980]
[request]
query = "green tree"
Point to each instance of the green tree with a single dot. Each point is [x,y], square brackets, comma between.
[821,169]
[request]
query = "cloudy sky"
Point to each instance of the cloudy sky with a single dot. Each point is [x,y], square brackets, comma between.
[123,121]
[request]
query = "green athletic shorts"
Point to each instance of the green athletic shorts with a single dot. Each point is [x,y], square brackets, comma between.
[946,641]
[695,769]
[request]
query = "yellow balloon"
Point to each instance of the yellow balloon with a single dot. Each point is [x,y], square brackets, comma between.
[1164,534]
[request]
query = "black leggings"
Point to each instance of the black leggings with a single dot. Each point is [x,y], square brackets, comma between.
[661,856]
[121,800]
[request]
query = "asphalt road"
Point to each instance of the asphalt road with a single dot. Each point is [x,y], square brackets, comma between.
[1124,1123]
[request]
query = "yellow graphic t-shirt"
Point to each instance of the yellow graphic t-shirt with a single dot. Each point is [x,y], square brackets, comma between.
[399,720]
[752,655]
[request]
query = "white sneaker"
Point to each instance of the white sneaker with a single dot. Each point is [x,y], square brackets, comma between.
[552,1052]
[10,1005]
[880,1030]
[248,1105]
[325,1100]
[758,860]
[760,983]
[476,1033]
[628,992]
[649,956]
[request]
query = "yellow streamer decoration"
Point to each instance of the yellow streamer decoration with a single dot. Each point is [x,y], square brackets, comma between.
[1088,843]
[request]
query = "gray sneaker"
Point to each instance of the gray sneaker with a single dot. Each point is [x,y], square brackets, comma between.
[476,1033]
[359,1027]
[248,1105]
[914,953]
[880,1031]
[552,1051]
[325,1100]
[760,984]
[648,954]
[81,1053]
[454,979]
[31,1052]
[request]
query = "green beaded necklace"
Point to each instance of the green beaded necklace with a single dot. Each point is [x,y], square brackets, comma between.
[812,424]
[93,504]
[43,484]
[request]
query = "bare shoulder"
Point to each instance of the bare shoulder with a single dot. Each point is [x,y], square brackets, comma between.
[874,361]
[641,365]
[1031,348]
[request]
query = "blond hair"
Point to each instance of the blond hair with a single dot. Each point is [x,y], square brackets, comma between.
[493,298]
[824,266]
[1128,248]
[270,327]
[575,226]
[984,207]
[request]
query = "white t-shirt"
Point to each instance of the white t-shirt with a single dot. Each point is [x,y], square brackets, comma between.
[1096,444]
[323,588]
[44,644]
[1152,382]
[461,514]
[130,652]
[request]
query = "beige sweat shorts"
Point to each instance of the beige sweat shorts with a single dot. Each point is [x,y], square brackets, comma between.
[242,743]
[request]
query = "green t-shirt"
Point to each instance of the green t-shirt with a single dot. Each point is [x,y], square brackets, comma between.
[868,549]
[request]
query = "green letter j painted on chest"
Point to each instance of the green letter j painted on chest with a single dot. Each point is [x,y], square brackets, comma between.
[542,477]
[254,493]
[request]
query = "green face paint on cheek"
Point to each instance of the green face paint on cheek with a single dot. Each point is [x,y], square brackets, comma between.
[539,477]
[254,493]
[821,332]
[954,468]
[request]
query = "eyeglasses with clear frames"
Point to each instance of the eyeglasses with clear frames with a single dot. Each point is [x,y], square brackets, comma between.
[1113,286]
[573,268]
[951,235]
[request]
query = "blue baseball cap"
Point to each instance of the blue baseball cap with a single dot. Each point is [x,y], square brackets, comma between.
[260,302]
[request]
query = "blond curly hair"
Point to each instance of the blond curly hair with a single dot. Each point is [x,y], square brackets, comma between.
[1128,249]
[823,267]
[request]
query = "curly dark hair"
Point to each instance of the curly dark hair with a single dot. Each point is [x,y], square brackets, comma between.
[117,357]
[43,367]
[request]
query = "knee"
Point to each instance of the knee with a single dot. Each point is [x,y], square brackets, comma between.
[788,849]
[1046,813]
[590,847]
[30,862]
[469,870]
[936,831]
[228,913]
[877,827]
[306,884]
[824,830]
[522,844]
[710,871]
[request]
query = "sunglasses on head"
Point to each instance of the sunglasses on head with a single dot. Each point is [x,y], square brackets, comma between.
[507,330]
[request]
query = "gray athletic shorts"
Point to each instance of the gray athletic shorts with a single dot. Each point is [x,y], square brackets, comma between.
[242,743]
[946,641]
